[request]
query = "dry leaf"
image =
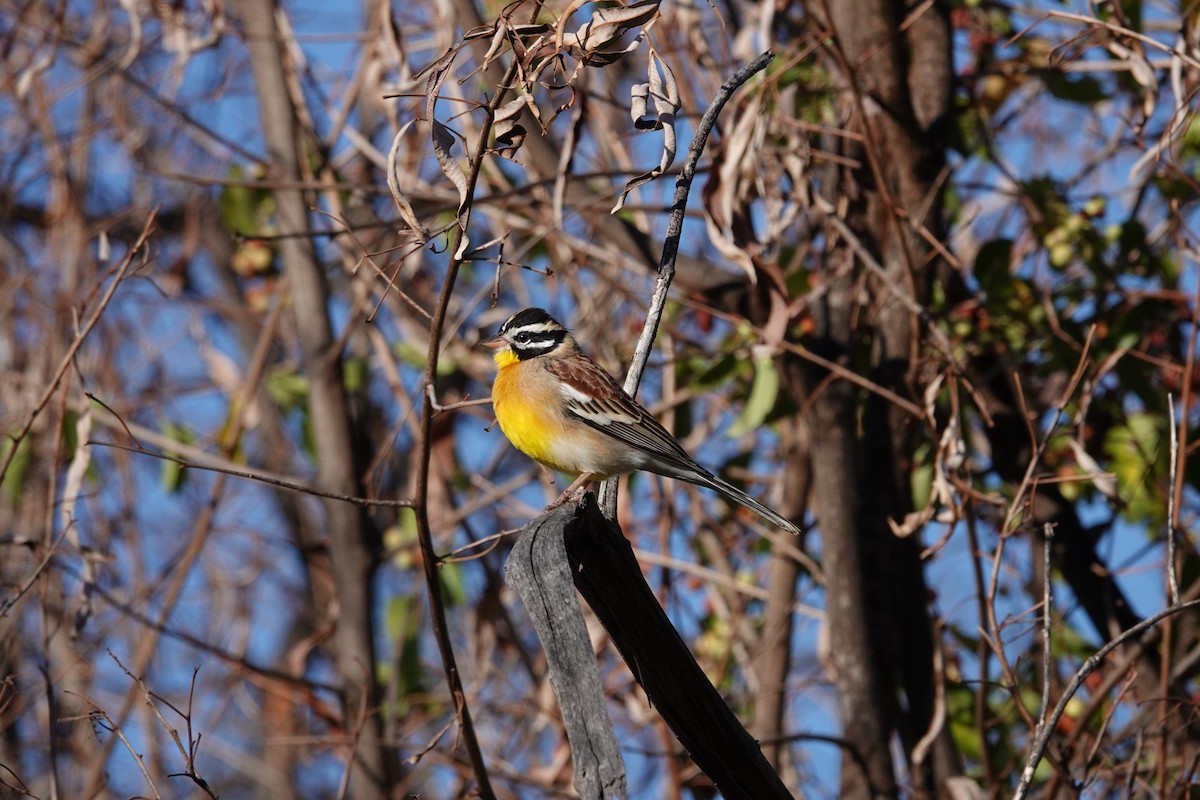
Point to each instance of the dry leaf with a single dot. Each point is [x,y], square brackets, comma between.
[598,41]
[664,91]
[1105,482]
[393,178]
[443,142]
[510,133]
[726,193]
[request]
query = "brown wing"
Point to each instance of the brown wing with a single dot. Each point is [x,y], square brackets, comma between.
[596,399]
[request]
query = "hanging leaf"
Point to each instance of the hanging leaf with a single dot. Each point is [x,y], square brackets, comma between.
[398,196]
[598,41]
[662,89]
[18,468]
[443,143]
[1085,91]
[510,133]
[403,623]
[173,475]
[731,187]
[762,398]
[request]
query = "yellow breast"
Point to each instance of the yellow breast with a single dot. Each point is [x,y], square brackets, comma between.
[528,407]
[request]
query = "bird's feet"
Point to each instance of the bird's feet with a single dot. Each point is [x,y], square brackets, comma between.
[575,488]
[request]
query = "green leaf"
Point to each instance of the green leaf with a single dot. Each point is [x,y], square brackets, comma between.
[993,264]
[403,621]
[401,539]
[245,210]
[235,204]
[960,709]
[761,400]
[702,374]
[921,485]
[18,468]
[356,371]
[452,584]
[289,389]
[683,421]
[1084,90]
[414,357]
[172,474]
[1047,196]
[1134,450]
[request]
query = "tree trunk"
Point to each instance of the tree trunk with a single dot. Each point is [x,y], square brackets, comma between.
[348,529]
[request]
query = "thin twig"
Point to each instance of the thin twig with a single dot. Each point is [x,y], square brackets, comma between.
[187,753]
[1123,31]
[715,578]
[1047,538]
[101,718]
[262,676]
[1089,666]
[69,356]
[938,723]
[670,251]
[355,740]
[1172,580]
[438,408]
[981,649]
[10,602]
[904,297]
[259,477]
[1039,447]
[1133,763]
[799,350]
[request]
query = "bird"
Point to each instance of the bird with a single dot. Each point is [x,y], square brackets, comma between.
[563,410]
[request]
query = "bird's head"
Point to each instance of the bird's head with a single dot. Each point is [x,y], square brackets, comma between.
[528,334]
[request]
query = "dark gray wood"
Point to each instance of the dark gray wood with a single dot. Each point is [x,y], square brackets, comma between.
[537,569]
[604,569]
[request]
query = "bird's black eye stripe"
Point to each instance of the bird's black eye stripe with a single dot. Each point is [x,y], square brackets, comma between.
[528,344]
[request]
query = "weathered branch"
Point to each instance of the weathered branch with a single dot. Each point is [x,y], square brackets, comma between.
[537,569]
[607,574]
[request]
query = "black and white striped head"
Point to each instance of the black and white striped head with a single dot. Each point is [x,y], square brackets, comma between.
[531,333]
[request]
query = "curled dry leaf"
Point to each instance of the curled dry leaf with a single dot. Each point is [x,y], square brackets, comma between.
[1105,482]
[443,142]
[510,133]
[664,91]
[598,41]
[950,457]
[1142,72]
[398,196]
[520,38]
[73,485]
[730,187]
[72,488]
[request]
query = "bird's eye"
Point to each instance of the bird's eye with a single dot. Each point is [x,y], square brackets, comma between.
[522,338]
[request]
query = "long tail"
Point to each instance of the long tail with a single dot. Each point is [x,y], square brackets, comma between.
[738,496]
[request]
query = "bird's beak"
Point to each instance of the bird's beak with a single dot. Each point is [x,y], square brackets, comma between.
[494,343]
